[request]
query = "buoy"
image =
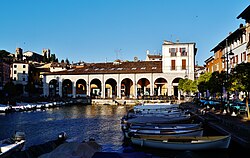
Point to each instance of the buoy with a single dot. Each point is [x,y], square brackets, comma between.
[62,136]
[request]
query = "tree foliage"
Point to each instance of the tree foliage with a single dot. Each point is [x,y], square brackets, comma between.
[202,82]
[241,80]
[241,77]
[4,54]
[187,85]
[217,81]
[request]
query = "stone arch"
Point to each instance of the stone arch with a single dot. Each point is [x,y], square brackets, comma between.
[175,83]
[127,89]
[81,87]
[67,88]
[143,87]
[160,86]
[110,88]
[95,88]
[53,88]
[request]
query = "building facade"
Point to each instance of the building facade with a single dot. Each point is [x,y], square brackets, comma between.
[4,74]
[19,73]
[232,50]
[130,79]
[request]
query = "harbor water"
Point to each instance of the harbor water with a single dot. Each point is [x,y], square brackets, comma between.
[84,122]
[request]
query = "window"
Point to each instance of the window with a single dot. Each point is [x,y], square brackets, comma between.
[172,64]
[236,58]
[24,66]
[172,52]
[15,66]
[23,79]
[14,78]
[183,67]
[23,72]
[14,71]
[183,51]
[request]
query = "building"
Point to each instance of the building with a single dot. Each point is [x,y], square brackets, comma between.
[199,70]
[153,57]
[19,53]
[4,74]
[232,50]
[130,79]
[246,16]
[32,57]
[19,73]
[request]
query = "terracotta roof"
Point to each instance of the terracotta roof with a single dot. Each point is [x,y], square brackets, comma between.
[116,68]
[245,14]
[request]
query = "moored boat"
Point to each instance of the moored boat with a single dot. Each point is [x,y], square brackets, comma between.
[4,108]
[168,132]
[188,129]
[13,144]
[182,143]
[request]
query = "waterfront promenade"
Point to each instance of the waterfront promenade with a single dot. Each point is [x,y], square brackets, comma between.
[238,126]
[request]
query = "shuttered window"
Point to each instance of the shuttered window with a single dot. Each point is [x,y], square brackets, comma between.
[172,64]
[183,66]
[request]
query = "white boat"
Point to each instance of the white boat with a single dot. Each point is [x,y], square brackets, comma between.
[167,126]
[174,132]
[183,143]
[12,144]
[188,129]
[157,119]
[4,108]
[149,108]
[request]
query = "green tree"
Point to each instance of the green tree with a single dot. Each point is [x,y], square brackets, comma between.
[67,61]
[202,82]
[53,58]
[187,85]
[217,81]
[45,59]
[4,54]
[241,78]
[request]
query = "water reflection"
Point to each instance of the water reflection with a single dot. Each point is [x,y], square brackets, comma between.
[80,123]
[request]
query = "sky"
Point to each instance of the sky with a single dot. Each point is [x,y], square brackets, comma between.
[106,30]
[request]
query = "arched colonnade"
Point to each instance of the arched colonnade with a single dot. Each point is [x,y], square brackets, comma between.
[111,85]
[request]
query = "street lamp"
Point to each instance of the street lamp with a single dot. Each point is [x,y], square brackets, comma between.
[226,55]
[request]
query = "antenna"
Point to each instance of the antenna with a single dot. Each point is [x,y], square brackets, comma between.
[117,52]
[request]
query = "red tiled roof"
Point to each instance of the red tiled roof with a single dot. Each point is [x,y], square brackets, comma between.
[115,68]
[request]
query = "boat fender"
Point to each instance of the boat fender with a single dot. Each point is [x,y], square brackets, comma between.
[62,136]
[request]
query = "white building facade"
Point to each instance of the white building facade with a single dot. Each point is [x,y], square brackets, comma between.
[20,73]
[126,79]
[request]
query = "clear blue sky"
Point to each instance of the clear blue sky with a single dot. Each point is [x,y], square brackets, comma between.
[103,30]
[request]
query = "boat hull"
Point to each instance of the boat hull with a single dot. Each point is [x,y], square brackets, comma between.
[221,142]
[8,149]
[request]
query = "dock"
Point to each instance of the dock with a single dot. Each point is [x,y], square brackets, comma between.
[236,126]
